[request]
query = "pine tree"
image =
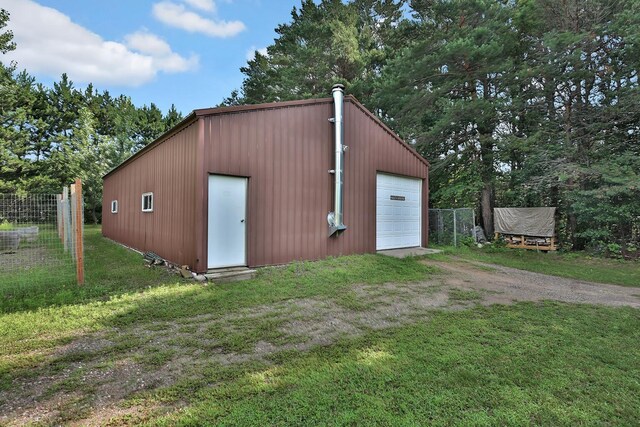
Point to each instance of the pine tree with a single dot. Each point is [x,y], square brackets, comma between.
[580,153]
[172,118]
[326,43]
[6,36]
[150,124]
[445,92]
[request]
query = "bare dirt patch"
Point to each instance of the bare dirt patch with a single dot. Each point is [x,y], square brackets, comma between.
[101,371]
[25,259]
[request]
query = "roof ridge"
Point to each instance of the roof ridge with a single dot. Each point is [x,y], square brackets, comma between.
[263,106]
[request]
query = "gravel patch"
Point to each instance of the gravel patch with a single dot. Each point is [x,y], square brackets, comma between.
[504,285]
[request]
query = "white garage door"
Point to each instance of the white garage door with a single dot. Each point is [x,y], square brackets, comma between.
[398,212]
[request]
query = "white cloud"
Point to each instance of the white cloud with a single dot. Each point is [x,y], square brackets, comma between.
[251,53]
[206,5]
[145,42]
[176,15]
[49,42]
[163,58]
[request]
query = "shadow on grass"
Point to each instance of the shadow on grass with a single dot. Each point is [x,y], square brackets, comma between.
[547,363]
[554,364]
[111,329]
[326,278]
[112,271]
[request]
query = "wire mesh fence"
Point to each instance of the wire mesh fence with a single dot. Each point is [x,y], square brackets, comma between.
[450,227]
[40,238]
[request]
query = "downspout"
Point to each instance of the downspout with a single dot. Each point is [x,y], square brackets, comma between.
[335,218]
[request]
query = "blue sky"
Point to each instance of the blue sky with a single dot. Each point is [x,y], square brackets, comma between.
[186,52]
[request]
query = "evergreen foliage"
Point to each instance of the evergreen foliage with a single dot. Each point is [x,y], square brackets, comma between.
[325,43]
[514,103]
[50,136]
[527,103]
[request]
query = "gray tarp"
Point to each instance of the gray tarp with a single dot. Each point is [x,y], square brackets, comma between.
[525,221]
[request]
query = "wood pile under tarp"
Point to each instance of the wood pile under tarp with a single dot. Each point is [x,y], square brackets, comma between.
[526,228]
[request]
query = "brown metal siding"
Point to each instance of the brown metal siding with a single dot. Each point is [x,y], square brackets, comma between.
[372,149]
[169,170]
[286,153]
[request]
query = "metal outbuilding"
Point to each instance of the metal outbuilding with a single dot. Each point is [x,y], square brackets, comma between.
[269,184]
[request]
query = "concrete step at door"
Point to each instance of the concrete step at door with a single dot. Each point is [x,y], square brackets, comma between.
[232,274]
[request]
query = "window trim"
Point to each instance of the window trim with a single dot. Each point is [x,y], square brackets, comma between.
[150,194]
[114,210]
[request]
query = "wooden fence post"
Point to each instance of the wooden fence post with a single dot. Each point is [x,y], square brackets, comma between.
[78,235]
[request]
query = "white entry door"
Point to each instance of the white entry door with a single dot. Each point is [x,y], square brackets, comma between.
[398,211]
[227,221]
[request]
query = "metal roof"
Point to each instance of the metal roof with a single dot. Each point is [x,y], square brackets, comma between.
[203,112]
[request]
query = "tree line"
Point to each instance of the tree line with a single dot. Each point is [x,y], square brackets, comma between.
[513,102]
[51,135]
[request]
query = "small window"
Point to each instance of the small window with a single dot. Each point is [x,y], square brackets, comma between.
[147,202]
[114,206]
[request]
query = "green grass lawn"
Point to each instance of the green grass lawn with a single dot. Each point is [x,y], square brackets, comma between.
[526,364]
[113,271]
[574,265]
[35,262]
[110,270]
[523,364]
[121,291]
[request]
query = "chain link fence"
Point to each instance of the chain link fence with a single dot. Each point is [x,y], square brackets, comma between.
[450,227]
[40,238]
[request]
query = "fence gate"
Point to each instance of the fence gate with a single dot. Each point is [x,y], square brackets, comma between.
[448,227]
[41,238]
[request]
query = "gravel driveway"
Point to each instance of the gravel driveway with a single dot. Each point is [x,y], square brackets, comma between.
[504,285]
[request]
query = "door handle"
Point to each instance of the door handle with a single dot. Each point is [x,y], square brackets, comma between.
[242,220]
